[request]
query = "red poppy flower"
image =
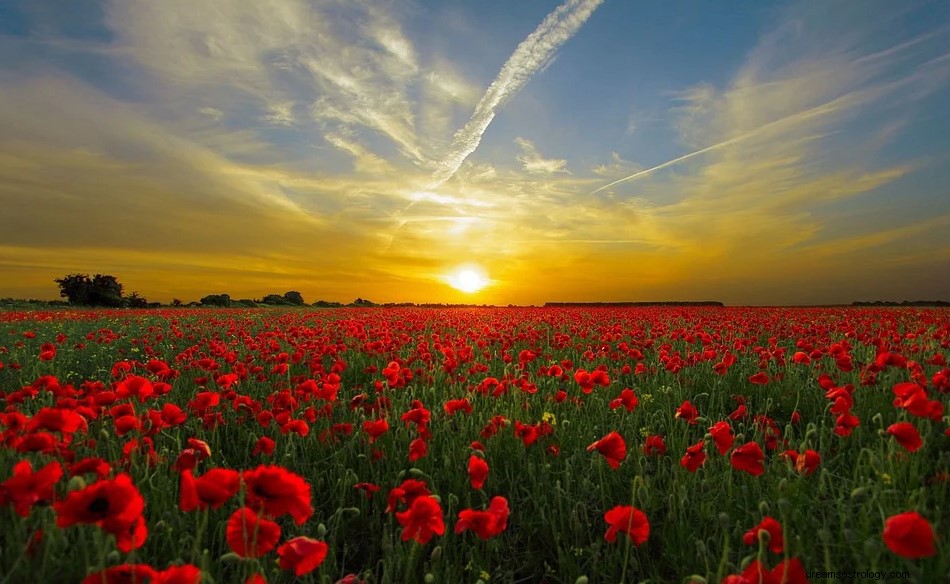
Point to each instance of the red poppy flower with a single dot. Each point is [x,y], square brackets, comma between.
[123,574]
[406,492]
[112,504]
[695,457]
[249,535]
[457,405]
[47,352]
[627,400]
[186,574]
[770,526]
[485,524]
[739,413]
[845,424]
[688,412]
[613,447]
[789,571]
[909,535]
[27,488]
[417,415]
[654,445]
[98,466]
[173,415]
[629,520]
[375,428]
[135,386]
[722,435]
[748,458]
[786,572]
[422,520]
[417,449]
[264,445]
[302,555]
[128,536]
[906,435]
[212,489]
[528,433]
[759,378]
[279,492]
[62,420]
[477,471]
[368,488]
[805,462]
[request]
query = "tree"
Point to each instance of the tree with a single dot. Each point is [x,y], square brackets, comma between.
[136,301]
[275,300]
[100,290]
[294,297]
[106,291]
[76,288]
[216,300]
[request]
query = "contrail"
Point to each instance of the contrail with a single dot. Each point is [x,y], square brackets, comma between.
[670,163]
[532,55]
[812,112]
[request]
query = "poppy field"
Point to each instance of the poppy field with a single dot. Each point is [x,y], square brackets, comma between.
[480,445]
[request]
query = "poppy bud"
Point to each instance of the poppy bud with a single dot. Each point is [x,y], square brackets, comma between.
[76,483]
[436,554]
[581,580]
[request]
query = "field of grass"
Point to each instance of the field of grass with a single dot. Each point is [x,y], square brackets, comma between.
[676,444]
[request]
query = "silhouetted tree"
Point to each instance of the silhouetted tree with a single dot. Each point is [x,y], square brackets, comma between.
[294,297]
[76,288]
[216,300]
[136,301]
[100,290]
[275,300]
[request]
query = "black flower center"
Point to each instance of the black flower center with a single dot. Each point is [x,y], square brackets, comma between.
[99,506]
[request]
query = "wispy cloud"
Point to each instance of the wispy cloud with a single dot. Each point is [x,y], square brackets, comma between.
[532,55]
[533,163]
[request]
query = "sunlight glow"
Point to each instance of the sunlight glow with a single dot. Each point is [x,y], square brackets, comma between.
[468,280]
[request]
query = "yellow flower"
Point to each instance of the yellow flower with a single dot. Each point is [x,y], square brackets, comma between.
[550,418]
[485,576]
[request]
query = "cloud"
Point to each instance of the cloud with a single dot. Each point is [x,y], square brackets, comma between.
[280,114]
[532,55]
[533,163]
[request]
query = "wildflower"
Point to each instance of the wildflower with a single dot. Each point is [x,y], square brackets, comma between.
[613,447]
[278,491]
[212,489]
[909,535]
[485,524]
[27,488]
[906,435]
[422,520]
[628,520]
[770,526]
[748,458]
[249,535]
[302,555]
[694,457]
[477,471]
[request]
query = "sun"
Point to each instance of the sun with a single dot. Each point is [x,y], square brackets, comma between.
[468,280]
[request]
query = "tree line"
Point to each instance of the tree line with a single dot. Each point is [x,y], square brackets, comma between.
[105,290]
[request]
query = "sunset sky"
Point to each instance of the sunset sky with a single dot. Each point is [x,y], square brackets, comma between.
[747,152]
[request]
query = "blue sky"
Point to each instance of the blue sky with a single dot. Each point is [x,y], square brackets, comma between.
[754,153]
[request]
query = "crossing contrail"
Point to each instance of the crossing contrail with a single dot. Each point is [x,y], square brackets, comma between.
[532,55]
